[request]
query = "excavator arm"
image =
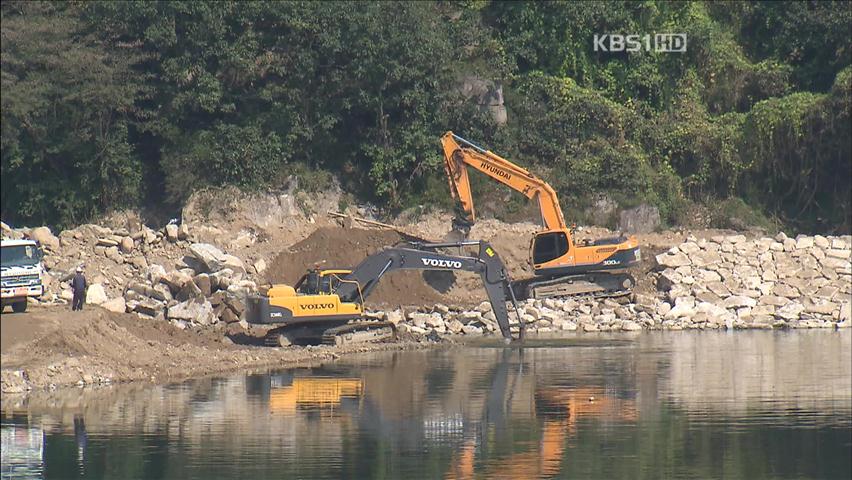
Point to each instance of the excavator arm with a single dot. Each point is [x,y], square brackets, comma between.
[425,256]
[460,153]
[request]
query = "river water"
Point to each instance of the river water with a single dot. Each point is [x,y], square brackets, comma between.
[654,405]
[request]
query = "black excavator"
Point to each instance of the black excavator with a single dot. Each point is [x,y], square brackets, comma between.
[327,305]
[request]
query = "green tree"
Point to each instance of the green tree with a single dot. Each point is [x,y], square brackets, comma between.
[68,108]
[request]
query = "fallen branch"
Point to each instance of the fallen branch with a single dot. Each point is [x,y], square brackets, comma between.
[364,220]
[405,235]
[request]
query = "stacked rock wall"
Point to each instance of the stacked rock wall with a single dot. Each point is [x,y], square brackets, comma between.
[762,283]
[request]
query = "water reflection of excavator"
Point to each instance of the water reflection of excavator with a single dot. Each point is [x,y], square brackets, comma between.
[323,394]
[559,409]
[562,267]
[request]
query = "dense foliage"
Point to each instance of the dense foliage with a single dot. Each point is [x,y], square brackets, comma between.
[115,104]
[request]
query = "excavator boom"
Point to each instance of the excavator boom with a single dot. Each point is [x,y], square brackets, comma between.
[459,153]
[425,256]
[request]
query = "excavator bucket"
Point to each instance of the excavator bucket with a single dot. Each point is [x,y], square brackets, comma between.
[460,230]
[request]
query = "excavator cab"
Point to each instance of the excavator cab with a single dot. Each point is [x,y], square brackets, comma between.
[549,246]
[320,282]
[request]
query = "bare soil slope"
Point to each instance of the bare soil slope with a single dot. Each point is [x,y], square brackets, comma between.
[334,247]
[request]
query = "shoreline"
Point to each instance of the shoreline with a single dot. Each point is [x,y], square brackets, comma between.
[104,348]
[94,352]
[303,358]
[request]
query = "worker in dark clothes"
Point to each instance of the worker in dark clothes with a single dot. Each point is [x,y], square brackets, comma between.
[313,281]
[78,286]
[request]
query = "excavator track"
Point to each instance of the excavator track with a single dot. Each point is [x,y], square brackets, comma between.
[279,337]
[350,333]
[360,332]
[593,285]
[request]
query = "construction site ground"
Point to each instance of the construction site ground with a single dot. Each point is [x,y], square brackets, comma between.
[56,347]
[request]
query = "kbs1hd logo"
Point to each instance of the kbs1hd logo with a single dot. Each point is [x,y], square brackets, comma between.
[659,42]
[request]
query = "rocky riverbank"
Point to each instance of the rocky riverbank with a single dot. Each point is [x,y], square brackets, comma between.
[725,281]
[189,282]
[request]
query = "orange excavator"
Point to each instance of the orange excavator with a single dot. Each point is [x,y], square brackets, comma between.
[562,266]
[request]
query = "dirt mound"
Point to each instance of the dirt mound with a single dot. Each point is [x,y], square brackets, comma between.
[110,336]
[333,247]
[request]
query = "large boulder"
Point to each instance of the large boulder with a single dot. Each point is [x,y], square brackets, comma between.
[236,304]
[739,301]
[108,242]
[172,232]
[45,237]
[113,254]
[194,310]
[149,307]
[393,316]
[845,312]
[487,94]
[804,242]
[154,273]
[183,232]
[139,262]
[822,307]
[242,288]
[630,326]
[689,248]
[175,279]
[227,315]
[642,219]
[667,279]
[202,280]
[211,257]
[260,266]
[821,242]
[96,294]
[672,260]
[148,291]
[783,290]
[116,305]
[790,311]
[126,244]
[455,326]
[681,309]
[189,291]
[234,263]
[10,233]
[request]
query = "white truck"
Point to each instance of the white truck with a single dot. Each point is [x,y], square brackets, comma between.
[21,273]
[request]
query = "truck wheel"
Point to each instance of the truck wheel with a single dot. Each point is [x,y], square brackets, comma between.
[19,307]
